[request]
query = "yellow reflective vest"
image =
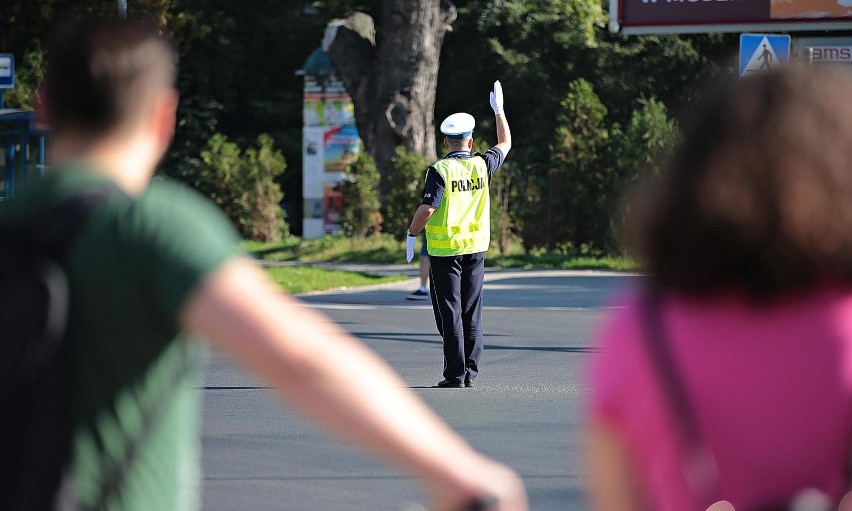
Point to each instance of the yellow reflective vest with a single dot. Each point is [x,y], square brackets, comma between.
[461,223]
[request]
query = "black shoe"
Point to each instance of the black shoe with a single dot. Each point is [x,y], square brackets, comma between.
[447,384]
[468,383]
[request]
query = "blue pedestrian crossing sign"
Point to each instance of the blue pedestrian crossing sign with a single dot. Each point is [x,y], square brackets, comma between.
[7,71]
[762,52]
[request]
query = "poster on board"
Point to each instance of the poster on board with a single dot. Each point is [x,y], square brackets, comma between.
[340,147]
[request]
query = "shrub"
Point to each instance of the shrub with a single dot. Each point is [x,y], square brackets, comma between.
[565,200]
[647,142]
[361,203]
[404,193]
[244,184]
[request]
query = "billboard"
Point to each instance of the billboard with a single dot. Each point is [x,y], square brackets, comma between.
[697,16]
[824,50]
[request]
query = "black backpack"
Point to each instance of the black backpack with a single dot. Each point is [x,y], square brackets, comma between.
[35,354]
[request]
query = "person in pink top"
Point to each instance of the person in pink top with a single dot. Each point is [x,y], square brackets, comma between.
[729,376]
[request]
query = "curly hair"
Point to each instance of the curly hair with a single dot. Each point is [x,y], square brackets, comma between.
[758,197]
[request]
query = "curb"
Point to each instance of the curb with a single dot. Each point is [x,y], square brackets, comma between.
[359,289]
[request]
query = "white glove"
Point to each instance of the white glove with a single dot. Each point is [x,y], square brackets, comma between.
[410,240]
[497,98]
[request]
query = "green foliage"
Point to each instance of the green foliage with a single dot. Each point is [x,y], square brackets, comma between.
[566,201]
[504,197]
[535,47]
[361,204]
[647,142]
[382,249]
[305,279]
[29,71]
[243,184]
[404,193]
[385,250]
[639,154]
[580,180]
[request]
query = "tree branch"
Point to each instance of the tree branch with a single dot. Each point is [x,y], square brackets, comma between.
[351,44]
[449,13]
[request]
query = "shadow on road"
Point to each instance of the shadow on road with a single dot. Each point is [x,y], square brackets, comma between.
[408,337]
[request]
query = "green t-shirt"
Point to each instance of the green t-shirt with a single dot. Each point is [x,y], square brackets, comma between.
[131,270]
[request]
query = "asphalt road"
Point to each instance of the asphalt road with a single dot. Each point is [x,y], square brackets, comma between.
[526,409]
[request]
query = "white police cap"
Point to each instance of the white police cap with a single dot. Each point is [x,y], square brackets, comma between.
[458,125]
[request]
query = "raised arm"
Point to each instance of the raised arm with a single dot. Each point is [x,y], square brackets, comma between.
[504,136]
[342,385]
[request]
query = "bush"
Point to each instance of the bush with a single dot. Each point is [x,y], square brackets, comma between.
[29,73]
[361,203]
[404,193]
[504,199]
[647,142]
[243,184]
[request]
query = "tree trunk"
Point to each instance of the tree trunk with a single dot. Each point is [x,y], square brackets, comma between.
[393,84]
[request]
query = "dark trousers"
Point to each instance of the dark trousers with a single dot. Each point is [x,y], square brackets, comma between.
[455,283]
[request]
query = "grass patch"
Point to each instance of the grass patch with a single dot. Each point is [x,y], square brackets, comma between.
[330,249]
[386,250]
[304,279]
[559,262]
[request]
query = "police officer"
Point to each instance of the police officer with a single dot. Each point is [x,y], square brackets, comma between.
[455,215]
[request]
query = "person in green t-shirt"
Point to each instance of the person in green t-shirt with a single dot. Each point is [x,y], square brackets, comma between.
[157,265]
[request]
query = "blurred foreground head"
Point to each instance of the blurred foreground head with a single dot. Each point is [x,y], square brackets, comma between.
[104,76]
[758,197]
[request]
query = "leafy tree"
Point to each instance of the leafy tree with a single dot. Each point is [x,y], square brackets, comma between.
[567,199]
[392,78]
[504,198]
[26,25]
[243,184]
[237,77]
[638,154]
[29,72]
[647,141]
[361,204]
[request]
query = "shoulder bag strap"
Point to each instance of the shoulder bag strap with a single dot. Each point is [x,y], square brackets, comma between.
[698,464]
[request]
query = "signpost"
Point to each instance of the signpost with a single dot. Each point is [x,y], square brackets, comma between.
[7,74]
[762,52]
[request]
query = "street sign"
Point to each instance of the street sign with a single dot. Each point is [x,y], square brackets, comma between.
[7,71]
[762,52]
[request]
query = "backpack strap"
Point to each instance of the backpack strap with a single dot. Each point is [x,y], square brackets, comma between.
[56,229]
[113,483]
[53,232]
[699,466]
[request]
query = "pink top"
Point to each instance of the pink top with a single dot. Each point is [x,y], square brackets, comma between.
[771,387]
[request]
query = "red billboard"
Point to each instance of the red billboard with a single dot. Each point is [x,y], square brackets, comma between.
[696,16]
